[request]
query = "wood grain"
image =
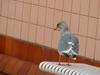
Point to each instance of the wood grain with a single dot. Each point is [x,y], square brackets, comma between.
[34,52]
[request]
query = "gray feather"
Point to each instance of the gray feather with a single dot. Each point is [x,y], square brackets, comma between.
[65,38]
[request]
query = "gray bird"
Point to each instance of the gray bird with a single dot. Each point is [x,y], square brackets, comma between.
[68,43]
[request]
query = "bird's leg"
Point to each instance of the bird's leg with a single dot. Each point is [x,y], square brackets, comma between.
[59,60]
[68,62]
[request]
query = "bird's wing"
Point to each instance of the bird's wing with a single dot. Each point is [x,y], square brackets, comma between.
[70,37]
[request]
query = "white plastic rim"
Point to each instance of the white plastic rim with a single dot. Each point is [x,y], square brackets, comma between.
[59,70]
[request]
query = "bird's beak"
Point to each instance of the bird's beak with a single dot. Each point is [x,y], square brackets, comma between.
[57,29]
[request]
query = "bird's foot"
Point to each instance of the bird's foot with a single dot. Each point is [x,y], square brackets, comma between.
[64,64]
[68,64]
[59,64]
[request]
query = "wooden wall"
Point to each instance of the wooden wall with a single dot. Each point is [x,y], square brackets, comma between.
[25,50]
[34,52]
[33,20]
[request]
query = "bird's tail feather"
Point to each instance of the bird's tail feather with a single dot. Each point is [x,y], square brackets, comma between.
[69,53]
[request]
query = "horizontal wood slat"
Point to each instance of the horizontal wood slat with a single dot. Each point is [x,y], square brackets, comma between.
[2,44]
[34,52]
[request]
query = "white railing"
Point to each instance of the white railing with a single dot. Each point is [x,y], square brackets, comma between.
[74,69]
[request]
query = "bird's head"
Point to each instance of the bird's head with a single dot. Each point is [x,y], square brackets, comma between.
[62,26]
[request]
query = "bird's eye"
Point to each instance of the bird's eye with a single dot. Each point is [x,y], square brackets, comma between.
[57,25]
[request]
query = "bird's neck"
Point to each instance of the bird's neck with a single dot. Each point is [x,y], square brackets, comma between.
[63,31]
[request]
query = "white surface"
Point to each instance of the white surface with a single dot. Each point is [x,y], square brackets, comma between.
[80,69]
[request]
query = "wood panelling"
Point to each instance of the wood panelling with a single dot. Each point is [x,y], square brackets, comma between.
[34,52]
[2,44]
[16,48]
[13,66]
[82,59]
[8,45]
[22,51]
[25,68]
[10,65]
[33,20]
[3,62]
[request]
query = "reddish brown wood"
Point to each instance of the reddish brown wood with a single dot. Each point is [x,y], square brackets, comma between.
[1,56]
[2,43]
[8,45]
[23,49]
[10,66]
[17,67]
[32,70]
[13,66]
[96,63]
[46,54]
[34,52]
[3,62]
[16,48]
[25,68]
